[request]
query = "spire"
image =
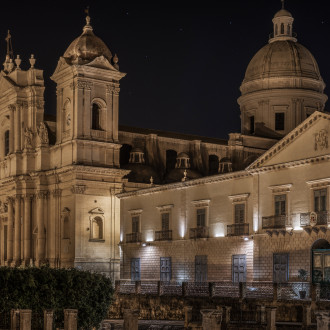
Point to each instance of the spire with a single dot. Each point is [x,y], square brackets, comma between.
[87,27]
[8,64]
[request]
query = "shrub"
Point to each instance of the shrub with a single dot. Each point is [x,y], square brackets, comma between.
[57,289]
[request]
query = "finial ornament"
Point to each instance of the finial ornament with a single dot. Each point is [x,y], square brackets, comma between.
[9,45]
[88,20]
[282,4]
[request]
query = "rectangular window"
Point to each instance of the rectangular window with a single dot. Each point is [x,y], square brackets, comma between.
[165,221]
[320,200]
[280,267]
[239,268]
[252,125]
[239,213]
[201,215]
[200,268]
[165,269]
[135,269]
[279,121]
[135,224]
[280,205]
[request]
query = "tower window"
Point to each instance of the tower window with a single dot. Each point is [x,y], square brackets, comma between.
[282,28]
[6,143]
[276,30]
[96,117]
[252,125]
[279,121]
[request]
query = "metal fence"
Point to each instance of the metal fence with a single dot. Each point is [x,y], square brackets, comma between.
[274,222]
[238,229]
[259,290]
[199,232]
[163,235]
[293,291]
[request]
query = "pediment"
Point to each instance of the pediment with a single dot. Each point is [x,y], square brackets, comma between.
[102,63]
[96,210]
[308,140]
[61,65]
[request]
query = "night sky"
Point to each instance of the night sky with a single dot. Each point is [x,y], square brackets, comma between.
[184,61]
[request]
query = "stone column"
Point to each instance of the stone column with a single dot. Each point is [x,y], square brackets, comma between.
[48,319]
[10,230]
[18,128]
[130,319]
[307,316]
[25,319]
[109,112]
[271,318]
[115,107]
[211,319]
[27,229]
[12,109]
[70,319]
[41,237]
[187,315]
[17,231]
[14,319]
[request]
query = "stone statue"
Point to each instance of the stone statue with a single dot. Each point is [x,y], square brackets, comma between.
[28,136]
[43,133]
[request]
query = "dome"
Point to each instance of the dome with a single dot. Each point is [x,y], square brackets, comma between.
[87,47]
[282,59]
[182,155]
[283,12]
[141,173]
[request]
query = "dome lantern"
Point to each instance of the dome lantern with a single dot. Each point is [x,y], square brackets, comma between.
[283,22]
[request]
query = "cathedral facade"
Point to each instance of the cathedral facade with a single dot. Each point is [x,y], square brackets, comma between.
[59,177]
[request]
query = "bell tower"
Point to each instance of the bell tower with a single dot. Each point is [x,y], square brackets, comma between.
[87,78]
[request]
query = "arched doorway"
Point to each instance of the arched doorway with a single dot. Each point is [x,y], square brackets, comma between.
[321,261]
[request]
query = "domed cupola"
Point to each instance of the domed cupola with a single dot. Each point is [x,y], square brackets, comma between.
[86,47]
[282,84]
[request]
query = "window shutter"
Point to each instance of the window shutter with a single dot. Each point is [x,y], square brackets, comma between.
[239,213]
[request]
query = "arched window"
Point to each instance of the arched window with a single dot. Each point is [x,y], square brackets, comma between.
[97,228]
[96,117]
[213,164]
[6,142]
[282,28]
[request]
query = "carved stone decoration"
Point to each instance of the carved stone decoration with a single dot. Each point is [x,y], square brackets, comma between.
[56,192]
[113,89]
[11,107]
[321,140]
[84,84]
[3,207]
[43,134]
[42,194]
[22,104]
[78,189]
[28,138]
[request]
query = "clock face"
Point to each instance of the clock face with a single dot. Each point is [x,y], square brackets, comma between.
[68,120]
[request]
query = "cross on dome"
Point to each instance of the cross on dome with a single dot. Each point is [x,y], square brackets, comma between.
[282,4]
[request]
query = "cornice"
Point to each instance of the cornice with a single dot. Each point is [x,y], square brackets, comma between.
[186,184]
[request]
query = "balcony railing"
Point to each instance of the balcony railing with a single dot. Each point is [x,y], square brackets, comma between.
[163,235]
[133,238]
[199,232]
[238,229]
[322,218]
[274,222]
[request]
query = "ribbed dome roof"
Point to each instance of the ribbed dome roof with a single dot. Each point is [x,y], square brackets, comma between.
[281,59]
[87,47]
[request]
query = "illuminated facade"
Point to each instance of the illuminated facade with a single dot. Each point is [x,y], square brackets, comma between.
[261,223]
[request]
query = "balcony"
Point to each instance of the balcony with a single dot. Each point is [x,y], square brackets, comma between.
[133,238]
[322,219]
[238,229]
[274,222]
[199,232]
[163,235]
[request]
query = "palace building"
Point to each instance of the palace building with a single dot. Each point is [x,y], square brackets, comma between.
[263,221]
[79,190]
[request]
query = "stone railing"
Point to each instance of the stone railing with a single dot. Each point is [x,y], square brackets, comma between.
[199,232]
[163,235]
[133,238]
[323,218]
[290,291]
[238,229]
[274,222]
[98,134]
